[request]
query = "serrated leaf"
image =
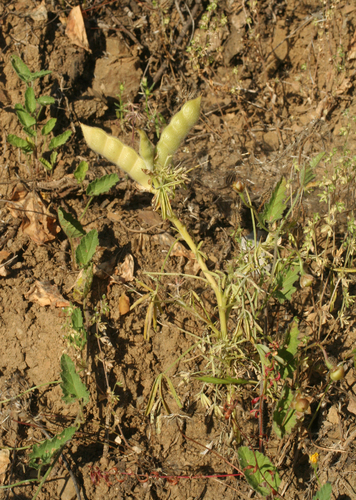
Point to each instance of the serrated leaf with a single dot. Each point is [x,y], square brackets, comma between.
[80,171]
[49,126]
[285,280]
[20,68]
[324,493]
[45,100]
[284,417]
[226,380]
[46,164]
[72,387]
[25,118]
[259,471]
[46,450]
[30,100]
[288,352]
[86,248]
[102,185]
[275,207]
[71,226]
[60,140]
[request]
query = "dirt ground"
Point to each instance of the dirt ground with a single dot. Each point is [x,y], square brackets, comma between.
[277,80]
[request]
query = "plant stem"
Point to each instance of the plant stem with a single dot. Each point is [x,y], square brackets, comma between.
[214,285]
[86,207]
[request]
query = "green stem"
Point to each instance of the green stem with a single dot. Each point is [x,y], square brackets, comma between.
[86,207]
[43,480]
[214,285]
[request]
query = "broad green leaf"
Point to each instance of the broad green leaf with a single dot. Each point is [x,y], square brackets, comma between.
[71,226]
[284,417]
[45,100]
[226,380]
[60,140]
[25,118]
[19,106]
[20,68]
[30,100]
[287,353]
[31,132]
[83,283]
[16,141]
[53,157]
[40,74]
[86,248]
[50,447]
[102,185]
[49,126]
[285,279]
[46,164]
[72,387]
[80,171]
[77,319]
[324,493]
[275,207]
[259,472]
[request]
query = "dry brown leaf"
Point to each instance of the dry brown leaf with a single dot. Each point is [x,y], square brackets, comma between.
[149,217]
[4,256]
[4,463]
[124,304]
[178,250]
[40,226]
[351,407]
[75,29]
[126,269]
[39,14]
[46,294]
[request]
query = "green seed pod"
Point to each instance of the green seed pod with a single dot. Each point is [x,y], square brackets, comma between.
[177,130]
[338,373]
[302,405]
[118,153]
[146,150]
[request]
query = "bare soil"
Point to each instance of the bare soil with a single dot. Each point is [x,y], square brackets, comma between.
[277,82]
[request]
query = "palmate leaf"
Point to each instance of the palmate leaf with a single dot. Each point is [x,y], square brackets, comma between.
[275,207]
[71,226]
[86,248]
[46,450]
[72,387]
[102,185]
[259,472]
[284,417]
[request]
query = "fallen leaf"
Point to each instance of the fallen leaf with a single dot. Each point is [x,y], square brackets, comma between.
[124,304]
[75,29]
[4,256]
[165,239]
[150,218]
[351,407]
[39,225]
[126,269]
[39,14]
[46,294]
[4,463]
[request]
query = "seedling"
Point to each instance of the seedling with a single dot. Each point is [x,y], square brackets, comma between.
[36,147]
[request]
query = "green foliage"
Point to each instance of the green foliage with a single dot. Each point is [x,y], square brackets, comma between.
[324,493]
[72,387]
[71,226]
[102,185]
[260,473]
[81,171]
[86,248]
[35,149]
[289,350]
[284,417]
[285,278]
[78,334]
[83,283]
[226,380]
[50,447]
[275,207]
